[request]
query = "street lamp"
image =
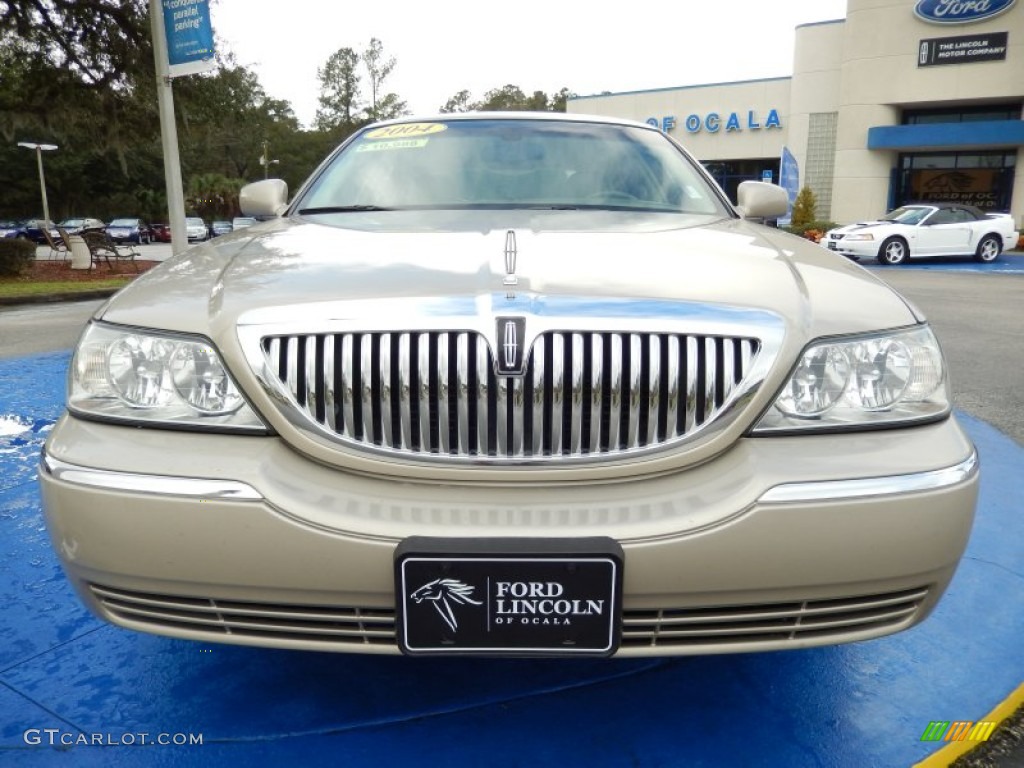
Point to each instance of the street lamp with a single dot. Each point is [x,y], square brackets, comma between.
[265,160]
[40,148]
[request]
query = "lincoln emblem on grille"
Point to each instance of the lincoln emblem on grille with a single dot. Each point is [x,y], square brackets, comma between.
[510,259]
[510,336]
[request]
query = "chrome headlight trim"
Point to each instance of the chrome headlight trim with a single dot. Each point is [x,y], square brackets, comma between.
[156,378]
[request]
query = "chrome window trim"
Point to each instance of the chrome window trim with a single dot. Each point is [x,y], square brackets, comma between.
[830,490]
[543,314]
[159,485]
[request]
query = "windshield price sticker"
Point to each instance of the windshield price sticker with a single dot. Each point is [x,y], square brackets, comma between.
[405,131]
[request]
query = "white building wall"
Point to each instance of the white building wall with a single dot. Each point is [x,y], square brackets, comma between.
[751,101]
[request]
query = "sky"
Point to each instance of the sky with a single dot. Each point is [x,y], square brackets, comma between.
[441,48]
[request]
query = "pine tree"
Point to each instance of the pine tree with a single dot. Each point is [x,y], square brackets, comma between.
[804,208]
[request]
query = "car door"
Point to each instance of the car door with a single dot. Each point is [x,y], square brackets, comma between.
[943,233]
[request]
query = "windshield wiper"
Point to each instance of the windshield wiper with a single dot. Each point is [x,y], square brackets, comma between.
[343,209]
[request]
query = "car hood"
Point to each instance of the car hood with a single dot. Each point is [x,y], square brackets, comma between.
[865,225]
[726,262]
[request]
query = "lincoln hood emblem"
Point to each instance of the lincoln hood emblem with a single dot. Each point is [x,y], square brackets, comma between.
[511,253]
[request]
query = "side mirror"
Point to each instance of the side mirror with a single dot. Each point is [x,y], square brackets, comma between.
[264,199]
[760,200]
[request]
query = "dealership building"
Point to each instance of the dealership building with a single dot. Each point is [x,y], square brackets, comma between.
[901,101]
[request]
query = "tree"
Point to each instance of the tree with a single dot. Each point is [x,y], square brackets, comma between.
[378,67]
[460,102]
[804,208]
[340,97]
[508,98]
[99,42]
[559,100]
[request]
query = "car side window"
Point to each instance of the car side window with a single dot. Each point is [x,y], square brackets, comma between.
[944,216]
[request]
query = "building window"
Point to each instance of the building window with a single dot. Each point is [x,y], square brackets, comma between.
[981,179]
[1010,111]
[729,173]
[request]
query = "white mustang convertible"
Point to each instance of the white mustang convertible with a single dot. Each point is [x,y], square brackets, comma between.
[926,230]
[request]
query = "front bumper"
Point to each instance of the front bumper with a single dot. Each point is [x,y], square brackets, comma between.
[860,249]
[781,542]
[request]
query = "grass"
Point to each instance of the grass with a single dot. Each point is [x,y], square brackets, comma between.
[17,290]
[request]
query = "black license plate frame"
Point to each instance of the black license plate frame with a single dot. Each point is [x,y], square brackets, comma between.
[508,597]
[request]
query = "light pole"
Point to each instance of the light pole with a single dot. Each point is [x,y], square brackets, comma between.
[265,160]
[40,148]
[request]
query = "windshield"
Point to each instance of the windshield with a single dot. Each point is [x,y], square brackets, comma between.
[123,223]
[534,164]
[72,222]
[194,223]
[907,215]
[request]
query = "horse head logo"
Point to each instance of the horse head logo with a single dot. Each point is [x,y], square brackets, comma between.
[442,593]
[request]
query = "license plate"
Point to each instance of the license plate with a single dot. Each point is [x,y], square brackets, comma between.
[832,245]
[509,597]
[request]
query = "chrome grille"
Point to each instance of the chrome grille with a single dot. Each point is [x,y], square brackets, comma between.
[706,629]
[718,626]
[328,624]
[437,393]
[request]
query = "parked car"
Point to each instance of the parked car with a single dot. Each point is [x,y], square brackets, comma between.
[130,231]
[74,226]
[915,231]
[26,229]
[220,228]
[195,229]
[161,232]
[510,385]
[241,222]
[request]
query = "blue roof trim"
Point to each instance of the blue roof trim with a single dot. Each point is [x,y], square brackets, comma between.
[986,133]
[681,88]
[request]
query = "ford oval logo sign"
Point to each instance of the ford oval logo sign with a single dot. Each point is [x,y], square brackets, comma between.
[960,11]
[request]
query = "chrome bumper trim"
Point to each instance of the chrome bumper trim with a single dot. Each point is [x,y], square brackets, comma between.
[872,486]
[160,485]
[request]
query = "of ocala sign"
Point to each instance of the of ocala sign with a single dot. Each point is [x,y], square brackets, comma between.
[713,122]
[960,11]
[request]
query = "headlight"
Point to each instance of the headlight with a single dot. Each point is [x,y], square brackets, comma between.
[882,380]
[861,236]
[142,376]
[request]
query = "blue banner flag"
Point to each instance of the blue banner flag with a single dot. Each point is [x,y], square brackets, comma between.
[189,36]
[789,180]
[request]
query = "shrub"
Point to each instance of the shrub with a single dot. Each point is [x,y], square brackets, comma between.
[812,230]
[16,256]
[804,208]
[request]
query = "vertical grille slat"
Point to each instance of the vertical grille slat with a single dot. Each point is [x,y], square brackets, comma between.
[424,381]
[583,393]
[407,400]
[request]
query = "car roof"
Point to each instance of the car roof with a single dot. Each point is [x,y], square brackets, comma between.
[557,117]
[976,212]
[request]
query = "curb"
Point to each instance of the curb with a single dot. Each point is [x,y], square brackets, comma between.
[52,298]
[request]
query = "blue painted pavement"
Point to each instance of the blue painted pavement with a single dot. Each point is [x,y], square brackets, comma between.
[1007,264]
[859,705]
